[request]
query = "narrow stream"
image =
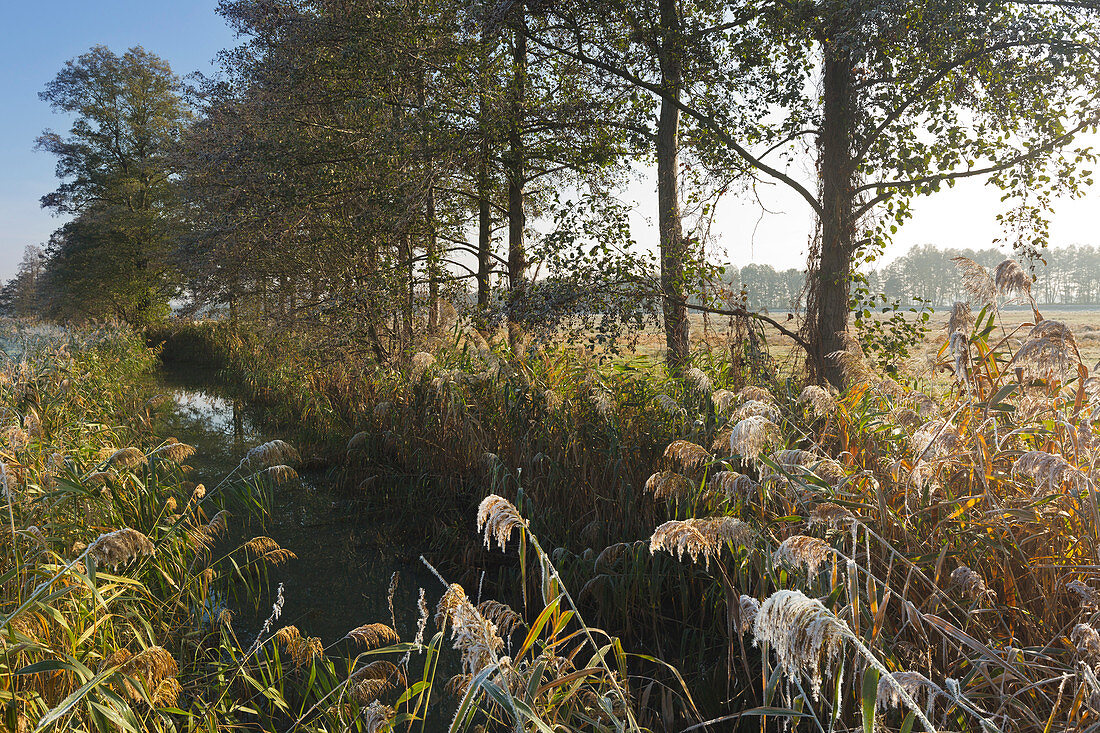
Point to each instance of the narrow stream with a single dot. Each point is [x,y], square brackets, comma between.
[344,559]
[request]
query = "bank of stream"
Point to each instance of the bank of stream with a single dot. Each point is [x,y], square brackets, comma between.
[346,557]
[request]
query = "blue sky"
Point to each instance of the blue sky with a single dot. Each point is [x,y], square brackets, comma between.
[38,38]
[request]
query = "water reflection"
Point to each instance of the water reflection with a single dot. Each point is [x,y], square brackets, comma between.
[345,561]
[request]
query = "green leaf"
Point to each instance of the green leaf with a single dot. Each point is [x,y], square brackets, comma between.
[869,698]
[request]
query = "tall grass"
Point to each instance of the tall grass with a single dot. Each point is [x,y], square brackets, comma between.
[118,588]
[942,541]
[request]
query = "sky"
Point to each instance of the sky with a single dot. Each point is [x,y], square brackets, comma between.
[40,36]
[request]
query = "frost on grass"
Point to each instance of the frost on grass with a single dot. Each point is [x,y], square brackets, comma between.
[801,632]
[699,537]
[497,517]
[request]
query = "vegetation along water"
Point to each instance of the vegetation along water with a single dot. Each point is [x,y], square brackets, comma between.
[349,395]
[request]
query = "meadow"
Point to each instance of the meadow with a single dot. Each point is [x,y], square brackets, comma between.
[619,548]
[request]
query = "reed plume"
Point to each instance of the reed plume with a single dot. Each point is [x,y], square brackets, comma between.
[175,452]
[687,456]
[752,392]
[666,404]
[699,537]
[961,320]
[832,515]
[119,547]
[497,517]
[801,632]
[473,635]
[419,365]
[665,485]
[267,549]
[749,607]
[377,717]
[1050,471]
[358,441]
[278,475]
[373,636]
[969,583]
[977,281]
[502,615]
[268,454]
[732,484]
[1012,281]
[723,400]
[1049,351]
[914,684]
[377,678]
[749,436]
[302,649]
[699,381]
[1086,643]
[127,458]
[802,551]
[754,408]
[820,402]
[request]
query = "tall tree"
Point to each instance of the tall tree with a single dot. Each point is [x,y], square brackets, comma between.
[115,177]
[902,100]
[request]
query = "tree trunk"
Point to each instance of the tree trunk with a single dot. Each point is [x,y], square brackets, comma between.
[827,308]
[410,289]
[517,260]
[484,190]
[433,264]
[668,192]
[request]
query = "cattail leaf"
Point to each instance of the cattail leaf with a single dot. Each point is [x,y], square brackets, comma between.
[908,723]
[869,698]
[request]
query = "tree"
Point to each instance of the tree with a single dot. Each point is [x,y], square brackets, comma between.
[115,180]
[901,100]
[20,297]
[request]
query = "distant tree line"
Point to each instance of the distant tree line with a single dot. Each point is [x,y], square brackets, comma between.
[360,168]
[1064,276]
